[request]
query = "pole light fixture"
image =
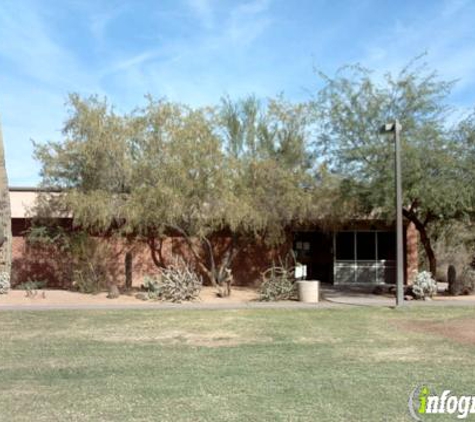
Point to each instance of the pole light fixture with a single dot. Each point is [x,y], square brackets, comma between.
[395,128]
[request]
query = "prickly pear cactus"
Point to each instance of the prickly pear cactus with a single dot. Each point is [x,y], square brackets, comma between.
[5,224]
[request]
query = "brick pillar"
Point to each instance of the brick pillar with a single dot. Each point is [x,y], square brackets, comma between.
[412,258]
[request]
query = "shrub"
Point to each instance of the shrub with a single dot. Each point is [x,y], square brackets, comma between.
[31,287]
[4,283]
[151,283]
[467,281]
[424,286]
[88,278]
[278,283]
[90,256]
[87,256]
[178,282]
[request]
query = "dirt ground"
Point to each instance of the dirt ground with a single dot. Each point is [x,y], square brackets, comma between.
[458,330]
[62,297]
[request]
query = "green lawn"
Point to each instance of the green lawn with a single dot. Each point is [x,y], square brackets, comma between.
[350,364]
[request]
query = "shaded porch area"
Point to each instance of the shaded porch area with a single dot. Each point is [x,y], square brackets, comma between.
[360,254]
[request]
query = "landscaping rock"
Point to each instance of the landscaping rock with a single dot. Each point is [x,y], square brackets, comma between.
[114,292]
[141,296]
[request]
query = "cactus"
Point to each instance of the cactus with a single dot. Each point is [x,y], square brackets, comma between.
[5,217]
[452,279]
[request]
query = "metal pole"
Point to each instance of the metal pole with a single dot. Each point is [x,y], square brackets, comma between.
[399,226]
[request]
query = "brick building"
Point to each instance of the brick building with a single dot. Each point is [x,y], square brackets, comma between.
[358,253]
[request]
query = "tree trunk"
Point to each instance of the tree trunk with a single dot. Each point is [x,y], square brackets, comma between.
[219,275]
[212,263]
[429,252]
[156,253]
[128,270]
[196,254]
[425,239]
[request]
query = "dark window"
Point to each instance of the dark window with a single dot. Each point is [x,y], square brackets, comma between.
[345,246]
[366,243]
[386,245]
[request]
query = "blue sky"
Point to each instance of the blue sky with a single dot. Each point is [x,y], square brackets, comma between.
[195,51]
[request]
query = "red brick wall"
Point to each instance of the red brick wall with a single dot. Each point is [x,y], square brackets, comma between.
[49,264]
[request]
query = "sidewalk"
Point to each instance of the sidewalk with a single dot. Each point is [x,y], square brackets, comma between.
[355,297]
[329,303]
[331,297]
[172,306]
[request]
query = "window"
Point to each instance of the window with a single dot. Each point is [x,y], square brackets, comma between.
[364,257]
[345,246]
[369,246]
[386,245]
[366,246]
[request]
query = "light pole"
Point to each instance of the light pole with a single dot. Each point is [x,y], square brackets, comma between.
[396,129]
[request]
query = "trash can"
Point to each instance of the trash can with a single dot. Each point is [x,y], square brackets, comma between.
[308,291]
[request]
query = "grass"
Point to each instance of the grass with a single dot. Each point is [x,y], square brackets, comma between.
[350,364]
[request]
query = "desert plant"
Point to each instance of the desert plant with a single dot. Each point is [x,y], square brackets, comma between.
[151,283]
[31,287]
[452,279]
[90,272]
[278,281]
[177,283]
[467,281]
[424,286]
[88,279]
[4,283]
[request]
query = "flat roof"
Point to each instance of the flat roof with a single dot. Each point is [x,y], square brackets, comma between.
[23,200]
[31,189]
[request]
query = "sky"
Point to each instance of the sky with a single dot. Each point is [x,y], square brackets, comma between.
[196,51]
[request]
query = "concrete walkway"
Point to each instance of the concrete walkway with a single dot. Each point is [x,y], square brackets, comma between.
[289,305]
[354,297]
[331,297]
[334,302]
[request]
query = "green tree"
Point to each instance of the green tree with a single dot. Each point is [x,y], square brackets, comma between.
[350,109]
[171,169]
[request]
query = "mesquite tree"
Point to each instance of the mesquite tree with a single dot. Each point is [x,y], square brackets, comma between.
[349,111]
[240,170]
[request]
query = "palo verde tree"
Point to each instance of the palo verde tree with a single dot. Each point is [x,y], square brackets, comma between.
[240,170]
[350,109]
